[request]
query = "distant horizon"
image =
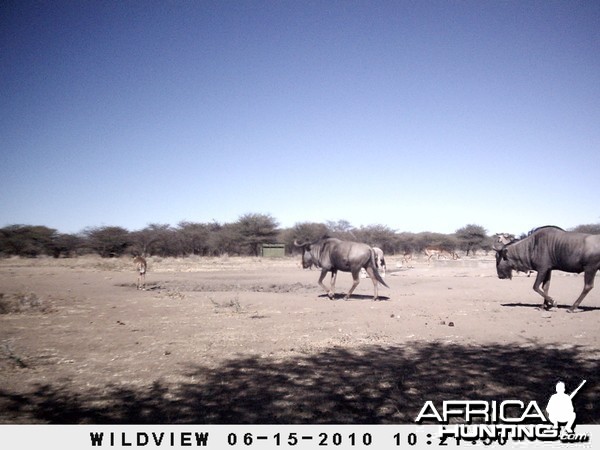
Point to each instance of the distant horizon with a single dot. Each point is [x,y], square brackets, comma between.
[280,227]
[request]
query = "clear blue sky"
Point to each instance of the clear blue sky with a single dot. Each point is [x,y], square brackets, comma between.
[418,115]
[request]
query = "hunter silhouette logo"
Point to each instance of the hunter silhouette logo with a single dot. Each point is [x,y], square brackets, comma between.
[500,421]
[560,407]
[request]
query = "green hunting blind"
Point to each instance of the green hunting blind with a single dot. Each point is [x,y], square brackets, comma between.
[273,250]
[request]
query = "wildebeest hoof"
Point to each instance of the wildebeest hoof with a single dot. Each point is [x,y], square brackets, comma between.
[574,310]
[549,305]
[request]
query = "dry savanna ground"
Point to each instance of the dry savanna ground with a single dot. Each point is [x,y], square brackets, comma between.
[249,340]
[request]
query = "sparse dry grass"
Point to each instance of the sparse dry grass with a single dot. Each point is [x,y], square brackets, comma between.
[256,340]
[230,305]
[23,302]
[155,263]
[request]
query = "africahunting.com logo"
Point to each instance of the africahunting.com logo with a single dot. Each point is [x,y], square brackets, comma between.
[507,420]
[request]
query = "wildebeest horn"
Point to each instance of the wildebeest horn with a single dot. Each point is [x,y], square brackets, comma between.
[298,244]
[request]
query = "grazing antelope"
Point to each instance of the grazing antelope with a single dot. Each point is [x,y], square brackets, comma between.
[141,266]
[430,252]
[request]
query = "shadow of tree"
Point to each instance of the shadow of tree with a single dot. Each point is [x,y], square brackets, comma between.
[366,385]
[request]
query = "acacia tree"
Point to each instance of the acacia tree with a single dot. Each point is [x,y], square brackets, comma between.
[143,240]
[406,242]
[108,241]
[302,232]
[255,230]
[427,239]
[66,245]
[341,229]
[592,228]
[471,237]
[308,231]
[377,236]
[195,237]
[160,239]
[27,240]
[225,239]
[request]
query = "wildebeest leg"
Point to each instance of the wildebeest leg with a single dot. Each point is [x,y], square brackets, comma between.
[375,282]
[321,278]
[588,285]
[355,281]
[543,278]
[333,279]
[546,284]
[141,281]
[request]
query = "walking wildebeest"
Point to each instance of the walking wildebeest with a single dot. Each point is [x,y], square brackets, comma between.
[331,255]
[502,239]
[551,248]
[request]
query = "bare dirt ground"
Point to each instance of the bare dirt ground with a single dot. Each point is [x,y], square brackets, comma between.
[248,340]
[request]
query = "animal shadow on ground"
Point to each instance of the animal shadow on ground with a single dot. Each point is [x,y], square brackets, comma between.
[365,385]
[340,296]
[539,306]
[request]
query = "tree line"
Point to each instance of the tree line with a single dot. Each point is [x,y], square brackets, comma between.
[245,237]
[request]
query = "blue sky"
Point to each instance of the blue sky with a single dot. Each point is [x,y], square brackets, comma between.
[417,115]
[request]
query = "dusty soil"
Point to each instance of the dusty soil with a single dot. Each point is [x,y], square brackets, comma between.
[248,340]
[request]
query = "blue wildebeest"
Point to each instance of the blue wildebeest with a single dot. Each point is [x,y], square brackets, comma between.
[331,255]
[551,248]
[502,239]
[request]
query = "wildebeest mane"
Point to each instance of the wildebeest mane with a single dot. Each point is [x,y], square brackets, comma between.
[531,232]
[541,228]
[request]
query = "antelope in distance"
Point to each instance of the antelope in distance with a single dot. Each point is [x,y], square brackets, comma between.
[141,267]
[430,252]
[407,257]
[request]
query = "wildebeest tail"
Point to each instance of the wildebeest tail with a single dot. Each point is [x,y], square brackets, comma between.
[375,271]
